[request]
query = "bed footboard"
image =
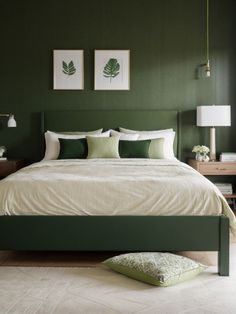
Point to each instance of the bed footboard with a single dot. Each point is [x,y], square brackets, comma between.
[118,233]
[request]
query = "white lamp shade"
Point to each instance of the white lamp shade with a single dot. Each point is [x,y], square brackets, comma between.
[11,122]
[213,116]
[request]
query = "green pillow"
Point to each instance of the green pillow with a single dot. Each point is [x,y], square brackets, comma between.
[159,269]
[134,149]
[103,147]
[156,148]
[73,148]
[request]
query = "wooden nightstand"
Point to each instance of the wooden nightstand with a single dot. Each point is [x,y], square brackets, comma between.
[9,166]
[215,168]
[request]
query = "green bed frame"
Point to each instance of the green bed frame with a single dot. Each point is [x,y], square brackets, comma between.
[117,233]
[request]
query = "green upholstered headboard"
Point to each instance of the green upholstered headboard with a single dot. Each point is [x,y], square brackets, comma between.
[85,120]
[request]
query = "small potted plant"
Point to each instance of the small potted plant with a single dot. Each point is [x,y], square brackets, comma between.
[201,152]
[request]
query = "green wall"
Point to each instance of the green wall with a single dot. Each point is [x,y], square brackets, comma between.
[167,43]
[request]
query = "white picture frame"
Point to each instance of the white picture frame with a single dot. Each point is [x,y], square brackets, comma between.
[112,69]
[68,69]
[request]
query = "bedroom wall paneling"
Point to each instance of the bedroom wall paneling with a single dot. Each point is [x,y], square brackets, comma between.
[166,41]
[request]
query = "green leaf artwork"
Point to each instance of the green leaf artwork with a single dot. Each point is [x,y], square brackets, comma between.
[111,69]
[68,69]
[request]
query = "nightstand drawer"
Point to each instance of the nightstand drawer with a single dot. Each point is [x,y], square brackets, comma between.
[217,168]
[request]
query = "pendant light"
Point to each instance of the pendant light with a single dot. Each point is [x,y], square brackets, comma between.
[11,120]
[204,69]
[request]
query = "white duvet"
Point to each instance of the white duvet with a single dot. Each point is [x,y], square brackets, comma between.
[111,187]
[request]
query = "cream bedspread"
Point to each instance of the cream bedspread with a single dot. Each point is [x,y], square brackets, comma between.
[111,187]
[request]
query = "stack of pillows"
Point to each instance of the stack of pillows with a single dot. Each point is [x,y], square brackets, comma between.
[110,144]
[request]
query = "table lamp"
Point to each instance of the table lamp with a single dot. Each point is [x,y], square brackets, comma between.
[211,116]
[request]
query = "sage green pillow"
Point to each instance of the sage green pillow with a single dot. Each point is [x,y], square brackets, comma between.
[134,149]
[103,147]
[73,148]
[156,148]
[159,269]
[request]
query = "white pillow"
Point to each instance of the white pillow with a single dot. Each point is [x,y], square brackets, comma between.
[53,146]
[146,132]
[168,136]
[125,136]
[99,131]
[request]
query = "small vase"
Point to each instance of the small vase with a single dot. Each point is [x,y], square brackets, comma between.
[2,150]
[198,157]
[205,157]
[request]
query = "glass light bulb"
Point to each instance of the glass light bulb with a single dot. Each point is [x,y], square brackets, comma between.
[208,73]
[208,69]
[11,122]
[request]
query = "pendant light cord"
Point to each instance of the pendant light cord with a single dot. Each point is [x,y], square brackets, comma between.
[207,34]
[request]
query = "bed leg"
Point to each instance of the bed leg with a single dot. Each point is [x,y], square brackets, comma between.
[223,253]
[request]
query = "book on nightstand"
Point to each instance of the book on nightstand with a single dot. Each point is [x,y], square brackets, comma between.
[228,157]
[225,188]
[3,158]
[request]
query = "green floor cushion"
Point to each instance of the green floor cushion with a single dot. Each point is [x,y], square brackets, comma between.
[160,269]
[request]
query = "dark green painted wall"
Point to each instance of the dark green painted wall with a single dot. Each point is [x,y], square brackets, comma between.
[167,43]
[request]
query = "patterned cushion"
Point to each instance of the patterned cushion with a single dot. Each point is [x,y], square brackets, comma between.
[160,269]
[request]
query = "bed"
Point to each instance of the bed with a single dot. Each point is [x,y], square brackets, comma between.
[118,230]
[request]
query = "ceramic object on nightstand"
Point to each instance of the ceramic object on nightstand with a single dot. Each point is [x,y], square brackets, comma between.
[2,151]
[198,156]
[205,157]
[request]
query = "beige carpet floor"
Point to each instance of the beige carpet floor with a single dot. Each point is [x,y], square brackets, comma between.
[30,283]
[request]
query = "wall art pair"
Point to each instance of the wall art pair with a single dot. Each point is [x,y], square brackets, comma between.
[111,69]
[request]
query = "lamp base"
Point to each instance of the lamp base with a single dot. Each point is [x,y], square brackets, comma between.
[212,144]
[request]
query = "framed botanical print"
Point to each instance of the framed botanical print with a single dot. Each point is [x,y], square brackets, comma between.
[112,70]
[68,69]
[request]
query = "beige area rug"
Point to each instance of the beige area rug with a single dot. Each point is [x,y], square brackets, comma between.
[98,290]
